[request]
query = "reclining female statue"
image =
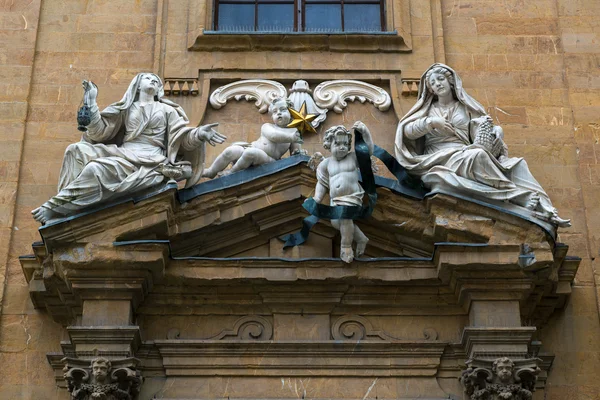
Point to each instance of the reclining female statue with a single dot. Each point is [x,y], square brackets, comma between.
[132,145]
[443,141]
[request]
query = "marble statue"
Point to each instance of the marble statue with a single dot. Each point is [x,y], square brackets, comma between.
[339,174]
[274,141]
[132,145]
[448,140]
[121,384]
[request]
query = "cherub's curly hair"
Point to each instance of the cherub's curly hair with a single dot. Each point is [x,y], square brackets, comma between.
[334,131]
[503,360]
[278,99]
[101,360]
[441,71]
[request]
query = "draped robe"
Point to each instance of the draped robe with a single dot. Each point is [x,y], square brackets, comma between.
[452,163]
[97,170]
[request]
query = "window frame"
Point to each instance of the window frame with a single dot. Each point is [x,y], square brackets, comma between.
[299,17]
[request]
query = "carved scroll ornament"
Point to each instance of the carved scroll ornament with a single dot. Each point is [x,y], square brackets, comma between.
[261,91]
[355,327]
[250,327]
[335,95]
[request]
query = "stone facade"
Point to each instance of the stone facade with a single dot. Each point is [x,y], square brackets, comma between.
[190,325]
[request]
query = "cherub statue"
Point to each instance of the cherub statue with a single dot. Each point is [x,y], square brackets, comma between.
[340,174]
[274,141]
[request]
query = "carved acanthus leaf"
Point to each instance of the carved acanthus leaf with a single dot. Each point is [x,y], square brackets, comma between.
[250,327]
[261,91]
[335,94]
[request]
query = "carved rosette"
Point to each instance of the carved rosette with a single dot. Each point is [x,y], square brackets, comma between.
[103,379]
[500,379]
[335,95]
[261,91]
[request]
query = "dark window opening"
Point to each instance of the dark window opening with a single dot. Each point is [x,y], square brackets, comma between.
[311,16]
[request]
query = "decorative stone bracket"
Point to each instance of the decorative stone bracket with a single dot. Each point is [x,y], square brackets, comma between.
[500,379]
[102,378]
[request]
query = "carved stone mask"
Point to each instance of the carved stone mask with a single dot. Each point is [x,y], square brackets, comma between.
[100,371]
[504,370]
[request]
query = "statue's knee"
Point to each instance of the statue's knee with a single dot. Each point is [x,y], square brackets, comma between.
[479,154]
[75,149]
[251,154]
[93,169]
[233,152]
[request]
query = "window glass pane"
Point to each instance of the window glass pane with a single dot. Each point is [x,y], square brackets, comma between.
[236,17]
[276,17]
[362,17]
[323,18]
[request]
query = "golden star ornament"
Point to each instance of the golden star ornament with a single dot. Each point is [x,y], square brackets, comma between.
[301,120]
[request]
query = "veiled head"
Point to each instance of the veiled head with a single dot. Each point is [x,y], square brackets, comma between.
[437,78]
[144,81]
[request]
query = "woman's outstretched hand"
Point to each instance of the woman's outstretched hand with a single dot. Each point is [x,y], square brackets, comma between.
[208,134]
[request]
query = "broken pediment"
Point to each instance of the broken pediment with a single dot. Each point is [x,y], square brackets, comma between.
[229,229]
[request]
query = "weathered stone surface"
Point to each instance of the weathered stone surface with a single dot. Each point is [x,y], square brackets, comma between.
[532,64]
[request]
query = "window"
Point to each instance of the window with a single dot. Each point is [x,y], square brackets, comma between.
[312,16]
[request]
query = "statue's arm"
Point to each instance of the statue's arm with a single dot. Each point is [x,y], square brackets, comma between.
[322,181]
[280,135]
[366,135]
[296,148]
[417,128]
[102,129]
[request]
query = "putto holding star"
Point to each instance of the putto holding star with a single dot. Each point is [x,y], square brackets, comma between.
[282,136]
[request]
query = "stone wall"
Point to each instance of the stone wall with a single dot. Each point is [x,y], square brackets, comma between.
[533,64]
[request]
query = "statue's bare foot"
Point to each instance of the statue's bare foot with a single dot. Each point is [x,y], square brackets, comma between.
[225,173]
[558,221]
[346,254]
[361,246]
[43,214]
[533,202]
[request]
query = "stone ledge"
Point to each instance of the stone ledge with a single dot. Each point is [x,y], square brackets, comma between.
[300,358]
[375,42]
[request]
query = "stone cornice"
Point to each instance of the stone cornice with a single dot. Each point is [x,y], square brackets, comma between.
[300,358]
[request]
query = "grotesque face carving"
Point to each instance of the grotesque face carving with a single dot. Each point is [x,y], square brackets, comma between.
[280,113]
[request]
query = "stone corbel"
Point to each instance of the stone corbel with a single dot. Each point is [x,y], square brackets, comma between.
[102,378]
[500,378]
